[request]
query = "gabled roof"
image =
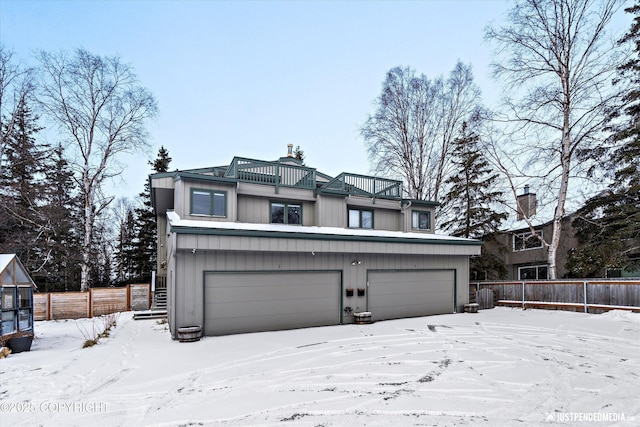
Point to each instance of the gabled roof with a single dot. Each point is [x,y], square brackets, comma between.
[12,272]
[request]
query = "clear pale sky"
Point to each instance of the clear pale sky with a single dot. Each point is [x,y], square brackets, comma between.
[247,78]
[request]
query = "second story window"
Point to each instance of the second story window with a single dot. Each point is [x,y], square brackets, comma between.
[208,202]
[286,213]
[359,218]
[421,220]
[524,241]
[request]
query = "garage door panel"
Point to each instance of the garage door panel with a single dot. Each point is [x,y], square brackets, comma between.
[398,294]
[244,324]
[265,307]
[259,292]
[251,302]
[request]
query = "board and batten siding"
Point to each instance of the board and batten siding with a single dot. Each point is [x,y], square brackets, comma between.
[183,199]
[269,191]
[332,210]
[384,219]
[407,219]
[257,210]
[253,210]
[188,296]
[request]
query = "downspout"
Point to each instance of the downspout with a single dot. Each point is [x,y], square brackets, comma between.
[172,306]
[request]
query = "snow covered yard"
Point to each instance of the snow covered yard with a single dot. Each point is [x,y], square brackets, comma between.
[500,367]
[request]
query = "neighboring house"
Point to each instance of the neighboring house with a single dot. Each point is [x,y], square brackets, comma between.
[267,245]
[523,253]
[525,256]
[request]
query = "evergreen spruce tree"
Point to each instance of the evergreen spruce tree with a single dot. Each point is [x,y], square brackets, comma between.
[123,252]
[22,229]
[161,163]
[470,201]
[144,255]
[298,153]
[145,250]
[61,208]
[101,257]
[608,226]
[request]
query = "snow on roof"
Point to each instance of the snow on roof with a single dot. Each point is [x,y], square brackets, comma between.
[176,221]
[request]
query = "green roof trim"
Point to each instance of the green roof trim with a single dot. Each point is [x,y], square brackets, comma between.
[420,203]
[190,176]
[317,236]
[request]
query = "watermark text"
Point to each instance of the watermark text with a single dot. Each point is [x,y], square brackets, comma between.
[586,417]
[54,407]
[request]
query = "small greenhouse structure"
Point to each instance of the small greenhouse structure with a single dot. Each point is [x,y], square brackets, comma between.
[16,290]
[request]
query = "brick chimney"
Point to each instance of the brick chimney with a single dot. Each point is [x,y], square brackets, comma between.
[526,204]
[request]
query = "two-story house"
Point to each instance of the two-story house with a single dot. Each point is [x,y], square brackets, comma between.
[266,245]
[523,251]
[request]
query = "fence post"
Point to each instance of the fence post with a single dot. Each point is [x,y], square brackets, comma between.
[523,282]
[90,304]
[584,290]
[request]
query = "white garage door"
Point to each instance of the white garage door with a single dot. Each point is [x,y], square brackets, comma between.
[398,294]
[266,301]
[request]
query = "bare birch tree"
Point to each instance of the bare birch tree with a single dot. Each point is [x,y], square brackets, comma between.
[557,64]
[101,111]
[415,123]
[16,85]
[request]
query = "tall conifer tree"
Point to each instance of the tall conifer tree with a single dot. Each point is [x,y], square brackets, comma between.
[470,199]
[61,208]
[608,227]
[145,224]
[22,229]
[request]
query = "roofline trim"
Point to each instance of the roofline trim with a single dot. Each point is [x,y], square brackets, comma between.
[180,229]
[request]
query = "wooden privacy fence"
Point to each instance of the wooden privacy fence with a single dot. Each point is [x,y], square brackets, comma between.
[590,296]
[96,302]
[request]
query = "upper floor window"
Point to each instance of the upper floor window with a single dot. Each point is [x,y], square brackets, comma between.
[286,213]
[359,218]
[524,241]
[421,220]
[533,272]
[208,202]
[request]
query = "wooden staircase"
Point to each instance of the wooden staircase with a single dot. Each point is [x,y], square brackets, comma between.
[158,308]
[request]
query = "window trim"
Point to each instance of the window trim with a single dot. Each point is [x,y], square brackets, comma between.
[286,205]
[419,211]
[212,194]
[524,236]
[19,311]
[537,267]
[360,211]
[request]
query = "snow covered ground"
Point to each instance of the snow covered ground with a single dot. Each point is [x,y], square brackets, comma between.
[503,367]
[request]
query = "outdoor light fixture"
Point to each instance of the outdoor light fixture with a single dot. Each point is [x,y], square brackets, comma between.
[356,262]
